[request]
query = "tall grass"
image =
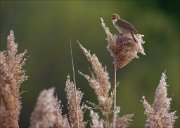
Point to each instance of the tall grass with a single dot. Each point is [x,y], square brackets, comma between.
[48,110]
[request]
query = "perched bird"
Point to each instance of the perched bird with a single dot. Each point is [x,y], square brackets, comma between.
[123,26]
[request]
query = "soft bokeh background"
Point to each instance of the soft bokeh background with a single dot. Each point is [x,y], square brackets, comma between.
[44,29]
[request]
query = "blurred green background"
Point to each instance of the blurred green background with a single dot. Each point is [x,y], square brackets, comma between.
[44,29]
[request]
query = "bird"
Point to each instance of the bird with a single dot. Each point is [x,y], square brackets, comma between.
[123,26]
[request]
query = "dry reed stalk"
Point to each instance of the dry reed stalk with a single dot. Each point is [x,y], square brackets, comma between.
[123,49]
[99,81]
[11,77]
[74,100]
[158,115]
[48,113]
[74,80]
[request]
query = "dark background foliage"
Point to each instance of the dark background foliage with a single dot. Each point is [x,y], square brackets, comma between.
[44,29]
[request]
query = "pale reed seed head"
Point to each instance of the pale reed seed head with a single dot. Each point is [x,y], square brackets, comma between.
[161,101]
[11,77]
[106,29]
[100,72]
[74,100]
[150,113]
[47,112]
[99,81]
[122,47]
[124,121]
[96,122]
[158,114]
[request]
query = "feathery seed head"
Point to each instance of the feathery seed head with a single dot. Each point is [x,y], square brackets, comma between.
[158,115]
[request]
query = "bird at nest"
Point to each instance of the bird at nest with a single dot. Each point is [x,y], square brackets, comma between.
[123,26]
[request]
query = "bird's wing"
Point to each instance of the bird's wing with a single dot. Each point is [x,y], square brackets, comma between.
[125,24]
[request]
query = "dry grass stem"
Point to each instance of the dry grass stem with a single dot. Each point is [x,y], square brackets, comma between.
[105,114]
[74,80]
[158,115]
[123,49]
[74,100]
[115,112]
[99,81]
[47,113]
[11,77]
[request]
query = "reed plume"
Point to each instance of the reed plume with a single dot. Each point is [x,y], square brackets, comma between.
[96,122]
[75,109]
[158,115]
[11,77]
[48,113]
[123,48]
[99,81]
[124,121]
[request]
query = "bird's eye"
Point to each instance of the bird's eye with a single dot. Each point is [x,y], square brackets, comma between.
[113,17]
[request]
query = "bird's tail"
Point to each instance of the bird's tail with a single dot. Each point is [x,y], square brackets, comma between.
[132,34]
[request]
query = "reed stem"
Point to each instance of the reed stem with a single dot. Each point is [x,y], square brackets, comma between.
[115,85]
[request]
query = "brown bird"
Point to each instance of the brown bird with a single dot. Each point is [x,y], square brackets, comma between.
[123,26]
